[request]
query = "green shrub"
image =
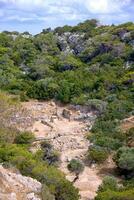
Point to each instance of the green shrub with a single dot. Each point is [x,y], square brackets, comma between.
[65,191]
[61,188]
[124,158]
[30,165]
[25,138]
[76,166]
[7,135]
[109,183]
[130,136]
[113,195]
[106,142]
[45,193]
[49,155]
[97,154]
[97,104]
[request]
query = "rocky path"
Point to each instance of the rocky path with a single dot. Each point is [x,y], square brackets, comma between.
[67,135]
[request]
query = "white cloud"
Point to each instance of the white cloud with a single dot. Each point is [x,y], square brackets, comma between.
[97,6]
[60,12]
[93,6]
[105,6]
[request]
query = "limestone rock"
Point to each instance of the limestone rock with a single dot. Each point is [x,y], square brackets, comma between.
[14,186]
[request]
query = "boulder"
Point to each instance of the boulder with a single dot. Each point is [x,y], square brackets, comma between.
[66,114]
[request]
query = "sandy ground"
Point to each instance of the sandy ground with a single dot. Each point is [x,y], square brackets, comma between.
[127,123]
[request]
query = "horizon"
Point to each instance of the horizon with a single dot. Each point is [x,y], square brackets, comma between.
[35,15]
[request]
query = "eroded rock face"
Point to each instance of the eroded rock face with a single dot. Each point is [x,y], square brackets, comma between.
[71,42]
[14,186]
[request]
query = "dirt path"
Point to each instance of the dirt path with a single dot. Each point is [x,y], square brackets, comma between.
[68,137]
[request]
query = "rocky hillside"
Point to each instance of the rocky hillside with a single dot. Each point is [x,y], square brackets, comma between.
[89,67]
[14,186]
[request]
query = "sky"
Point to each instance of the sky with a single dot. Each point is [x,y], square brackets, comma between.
[35,15]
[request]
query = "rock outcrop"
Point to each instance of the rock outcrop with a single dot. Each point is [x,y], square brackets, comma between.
[71,42]
[14,186]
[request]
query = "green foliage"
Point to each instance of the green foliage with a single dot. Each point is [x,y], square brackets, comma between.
[46,43]
[7,135]
[86,26]
[96,70]
[35,66]
[113,195]
[43,89]
[97,104]
[97,154]
[110,190]
[65,191]
[24,138]
[31,165]
[124,158]
[49,154]
[109,183]
[45,193]
[130,136]
[76,166]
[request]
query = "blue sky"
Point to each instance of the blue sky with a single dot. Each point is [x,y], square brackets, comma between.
[34,15]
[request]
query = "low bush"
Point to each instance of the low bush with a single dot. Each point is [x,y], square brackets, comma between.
[24,138]
[45,193]
[76,166]
[97,154]
[49,155]
[116,195]
[109,183]
[124,159]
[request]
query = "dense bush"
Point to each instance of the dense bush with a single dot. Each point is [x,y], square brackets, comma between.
[24,138]
[36,66]
[45,193]
[110,190]
[109,183]
[93,66]
[49,155]
[76,166]
[96,154]
[124,159]
[113,195]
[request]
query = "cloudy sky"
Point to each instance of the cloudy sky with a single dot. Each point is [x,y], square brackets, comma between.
[34,15]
